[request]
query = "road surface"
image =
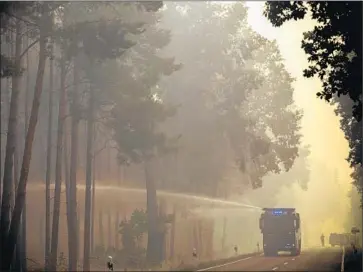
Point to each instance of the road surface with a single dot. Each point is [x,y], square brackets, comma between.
[327,259]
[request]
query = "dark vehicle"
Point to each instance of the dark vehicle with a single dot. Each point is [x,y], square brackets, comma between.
[281,231]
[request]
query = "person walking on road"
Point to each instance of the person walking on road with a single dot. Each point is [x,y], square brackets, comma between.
[322,239]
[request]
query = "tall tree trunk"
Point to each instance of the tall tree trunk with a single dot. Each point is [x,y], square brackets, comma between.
[73,171]
[117,222]
[49,161]
[21,190]
[93,202]
[41,233]
[200,237]
[10,143]
[119,175]
[18,248]
[172,235]
[78,233]
[109,230]
[89,164]
[58,171]
[109,174]
[152,213]
[26,124]
[195,236]
[224,232]
[67,178]
[5,107]
[100,228]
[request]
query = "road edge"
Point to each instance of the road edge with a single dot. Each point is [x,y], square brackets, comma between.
[205,266]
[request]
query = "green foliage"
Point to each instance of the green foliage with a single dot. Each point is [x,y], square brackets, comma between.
[334,50]
[236,97]
[334,47]
[137,110]
[132,230]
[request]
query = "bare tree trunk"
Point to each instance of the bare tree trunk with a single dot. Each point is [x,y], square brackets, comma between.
[5,107]
[195,236]
[93,196]
[41,233]
[26,124]
[21,190]
[224,233]
[152,214]
[100,228]
[78,233]
[117,222]
[10,144]
[119,174]
[17,258]
[87,205]
[49,161]
[67,178]
[200,237]
[58,172]
[172,235]
[109,230]
[73,171]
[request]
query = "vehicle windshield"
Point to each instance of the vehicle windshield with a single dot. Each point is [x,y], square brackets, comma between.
[280,223]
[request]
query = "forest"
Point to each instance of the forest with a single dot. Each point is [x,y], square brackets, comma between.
[105,95]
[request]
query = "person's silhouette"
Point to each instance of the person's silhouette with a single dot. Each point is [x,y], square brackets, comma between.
[322,239]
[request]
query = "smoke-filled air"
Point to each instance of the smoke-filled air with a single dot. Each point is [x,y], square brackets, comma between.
[183,136]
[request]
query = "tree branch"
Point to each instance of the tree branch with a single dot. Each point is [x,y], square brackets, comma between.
[29,46]
[19,18]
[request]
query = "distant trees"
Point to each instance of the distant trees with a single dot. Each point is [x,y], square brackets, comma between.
[334,52]
[235,97]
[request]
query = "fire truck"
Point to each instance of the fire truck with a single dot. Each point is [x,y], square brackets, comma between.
[280,228]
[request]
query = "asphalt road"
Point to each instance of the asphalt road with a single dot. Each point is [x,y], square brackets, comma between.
[324,259]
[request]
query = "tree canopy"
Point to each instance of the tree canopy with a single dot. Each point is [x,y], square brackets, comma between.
[334,49]
[235,96]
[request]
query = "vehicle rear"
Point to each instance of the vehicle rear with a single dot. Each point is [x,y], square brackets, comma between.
[281,231]
[276,242]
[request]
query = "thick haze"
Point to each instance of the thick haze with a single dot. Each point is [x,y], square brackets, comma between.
[325,206]
[241,114]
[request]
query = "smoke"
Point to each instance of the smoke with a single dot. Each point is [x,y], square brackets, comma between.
[324,207]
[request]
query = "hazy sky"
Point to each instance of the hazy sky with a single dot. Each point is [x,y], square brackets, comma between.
[327,205]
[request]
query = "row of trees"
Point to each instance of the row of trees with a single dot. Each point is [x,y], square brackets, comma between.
[334,52]
[229,105]
[87,45]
